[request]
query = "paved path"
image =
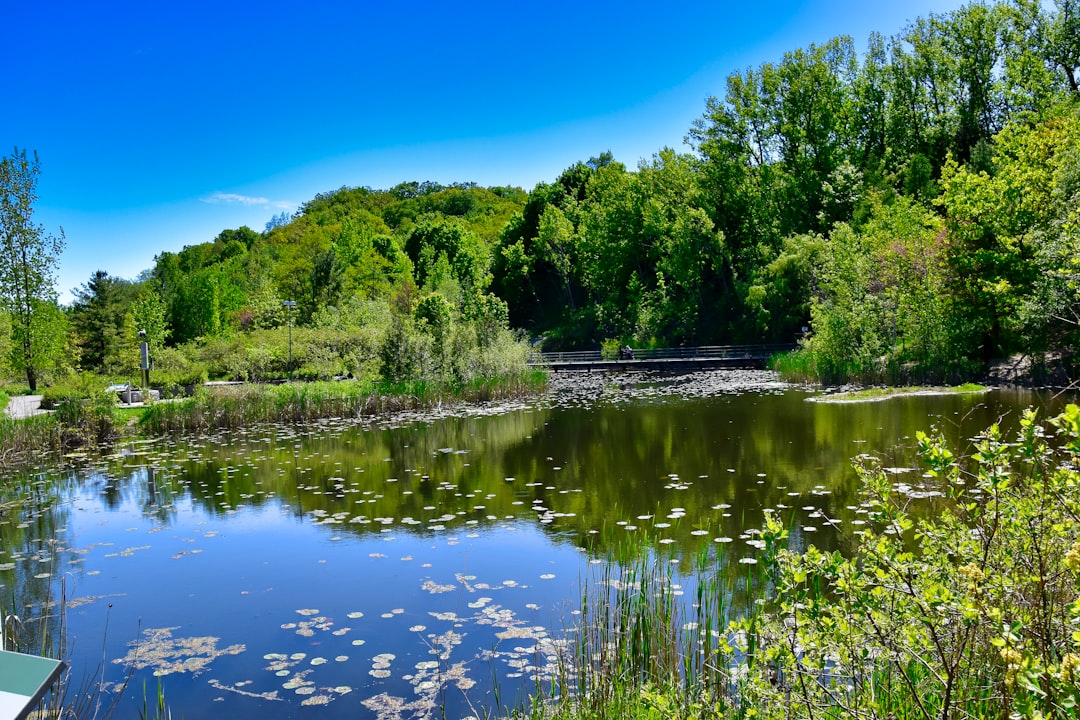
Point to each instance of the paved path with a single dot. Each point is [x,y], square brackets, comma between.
[23,406]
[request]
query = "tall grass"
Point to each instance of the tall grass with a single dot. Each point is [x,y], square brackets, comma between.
[22,440]
[652,643]
[73,423]
[45,635]
[808,365]
[237,406]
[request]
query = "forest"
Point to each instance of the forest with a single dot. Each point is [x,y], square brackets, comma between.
[914,204]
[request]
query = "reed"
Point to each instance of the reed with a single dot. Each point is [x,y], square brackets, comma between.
[22,440]
[650,642]
[45,634]
[238,406]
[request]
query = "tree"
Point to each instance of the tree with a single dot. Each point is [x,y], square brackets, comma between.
[28,259]
[146,313]
[97,316]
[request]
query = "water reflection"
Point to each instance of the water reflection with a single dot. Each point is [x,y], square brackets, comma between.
[331,565]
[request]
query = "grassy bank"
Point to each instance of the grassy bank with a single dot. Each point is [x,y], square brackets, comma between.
[238,406]
[880,394]
[96,421]
[970,612]
[809,366]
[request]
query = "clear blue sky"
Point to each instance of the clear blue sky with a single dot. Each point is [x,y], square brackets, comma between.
[160,123]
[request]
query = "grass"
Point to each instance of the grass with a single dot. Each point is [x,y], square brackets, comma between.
[45,635]
[875,394]
[238,406]
[21,440]
[649,643]
[75,423]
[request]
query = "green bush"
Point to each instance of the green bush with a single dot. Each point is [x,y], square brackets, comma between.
[968,611]
[175,373]
[74,386]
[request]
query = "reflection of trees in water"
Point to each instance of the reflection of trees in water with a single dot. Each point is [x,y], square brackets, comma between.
[706,467]
[34,554]
[582,470]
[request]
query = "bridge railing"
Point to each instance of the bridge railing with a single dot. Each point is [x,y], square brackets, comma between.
[706,352]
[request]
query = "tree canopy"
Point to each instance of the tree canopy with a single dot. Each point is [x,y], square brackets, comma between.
[912,203]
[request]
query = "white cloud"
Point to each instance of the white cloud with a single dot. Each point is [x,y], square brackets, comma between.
[220,198]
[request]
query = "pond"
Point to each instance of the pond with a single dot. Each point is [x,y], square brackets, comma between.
[431,564]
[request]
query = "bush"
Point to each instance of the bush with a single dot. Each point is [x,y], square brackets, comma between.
[74,386]
[175,373]
[968,611]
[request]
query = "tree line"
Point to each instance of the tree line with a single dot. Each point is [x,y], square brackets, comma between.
[914,205]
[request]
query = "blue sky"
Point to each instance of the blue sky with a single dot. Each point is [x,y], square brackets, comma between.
[161,123]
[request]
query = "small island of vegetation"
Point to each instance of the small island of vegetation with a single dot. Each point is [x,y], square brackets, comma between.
[878,394]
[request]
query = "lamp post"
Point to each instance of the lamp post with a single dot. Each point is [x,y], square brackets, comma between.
[289,305]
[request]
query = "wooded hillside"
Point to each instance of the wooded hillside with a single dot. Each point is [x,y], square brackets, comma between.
[914,204]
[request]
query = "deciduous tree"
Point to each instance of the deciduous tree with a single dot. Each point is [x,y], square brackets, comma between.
[28,259]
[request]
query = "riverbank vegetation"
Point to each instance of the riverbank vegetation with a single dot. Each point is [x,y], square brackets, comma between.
[76,421]
[904,207]
[879,394]
[969,610]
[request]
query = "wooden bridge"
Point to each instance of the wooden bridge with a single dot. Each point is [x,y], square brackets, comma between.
[674,359]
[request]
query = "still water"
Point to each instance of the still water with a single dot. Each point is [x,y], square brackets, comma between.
[428,565]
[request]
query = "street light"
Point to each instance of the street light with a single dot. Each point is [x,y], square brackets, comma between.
[289,305]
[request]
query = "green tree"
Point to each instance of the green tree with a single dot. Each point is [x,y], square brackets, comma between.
[28,259]
[97,317]
[146,313]
[1013,234]
[883,306]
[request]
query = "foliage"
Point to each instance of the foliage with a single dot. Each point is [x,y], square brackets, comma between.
[964,602]
[97,317]
[913,205]
[1013,236]
[28,258]
[967,610]
[883,310]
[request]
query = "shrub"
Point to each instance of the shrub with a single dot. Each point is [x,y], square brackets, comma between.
[175,373]
[968,611]
[74,386]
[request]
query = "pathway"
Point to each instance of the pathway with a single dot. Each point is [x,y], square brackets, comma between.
[23,406]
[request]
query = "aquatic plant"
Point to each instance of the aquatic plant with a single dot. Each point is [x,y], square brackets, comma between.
[970,612]
[238,406]
[652,642]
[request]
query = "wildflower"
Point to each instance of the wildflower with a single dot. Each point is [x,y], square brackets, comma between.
[972,572]
[974,575]
[1069,668]
[1013,660]
[1072,558]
